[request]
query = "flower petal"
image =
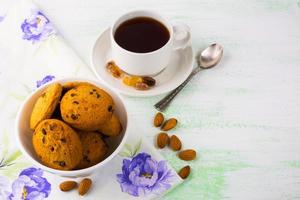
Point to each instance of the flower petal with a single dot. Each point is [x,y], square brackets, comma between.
[40,184]
[139,159]
[37,27]
[122,179]
[45,80]
[142,181]
[125,167]
[143,175]
[31,181]
[35,196]
[133,174]
[17,188]
[162,169]
[32,171]
[150,166]
[130,189]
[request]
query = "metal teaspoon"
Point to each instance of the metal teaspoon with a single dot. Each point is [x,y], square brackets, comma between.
[208,58]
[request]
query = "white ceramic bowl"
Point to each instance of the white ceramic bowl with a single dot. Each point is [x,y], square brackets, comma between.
[24,134]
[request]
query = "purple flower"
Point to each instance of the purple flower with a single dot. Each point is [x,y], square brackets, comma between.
[143,175]
[30,185]
[37,27]
[2,18]
[45,80]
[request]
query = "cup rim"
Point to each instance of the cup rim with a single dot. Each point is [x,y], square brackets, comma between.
[167,24]
[79,172]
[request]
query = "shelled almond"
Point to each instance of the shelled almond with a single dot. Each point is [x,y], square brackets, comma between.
[84,186]
[184,172]
[187,155]
[169,124]
[158,119]
[162,140]
[175,143]
[67,185]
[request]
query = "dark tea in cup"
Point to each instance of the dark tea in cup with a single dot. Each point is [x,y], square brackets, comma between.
[143,41]
[141,35]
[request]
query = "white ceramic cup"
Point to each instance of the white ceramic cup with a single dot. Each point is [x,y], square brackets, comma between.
[150,63]
[24,133]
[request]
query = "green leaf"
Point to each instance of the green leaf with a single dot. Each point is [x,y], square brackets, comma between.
[13,170]
[17,96]
[128,147]
[15,155]
[137,147]
[124,154]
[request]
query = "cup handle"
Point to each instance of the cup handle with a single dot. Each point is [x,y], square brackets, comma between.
[182,36]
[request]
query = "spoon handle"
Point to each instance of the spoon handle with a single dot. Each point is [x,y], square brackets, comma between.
[164,103]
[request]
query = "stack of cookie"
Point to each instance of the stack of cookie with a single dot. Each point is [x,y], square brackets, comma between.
[70,122]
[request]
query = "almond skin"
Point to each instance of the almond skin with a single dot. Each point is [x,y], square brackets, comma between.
[187,155]
[169,124]
[158,119]
[175,143]
[184,172]
[67,185]
[162,140]
[84,186]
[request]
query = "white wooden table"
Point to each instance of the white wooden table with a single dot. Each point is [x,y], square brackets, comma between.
[243,116]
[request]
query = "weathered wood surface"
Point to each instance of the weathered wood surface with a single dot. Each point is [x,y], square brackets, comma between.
[243,116]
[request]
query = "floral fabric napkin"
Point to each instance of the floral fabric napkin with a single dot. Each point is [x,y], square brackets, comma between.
[32,53]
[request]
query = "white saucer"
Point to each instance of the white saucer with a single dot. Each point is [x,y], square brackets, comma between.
[180,66]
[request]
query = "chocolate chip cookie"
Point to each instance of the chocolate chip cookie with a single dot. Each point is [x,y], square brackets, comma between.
[86,107]
[94,149]
[45,105]
[57,144]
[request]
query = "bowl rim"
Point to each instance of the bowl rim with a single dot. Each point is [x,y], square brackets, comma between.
[71,173]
